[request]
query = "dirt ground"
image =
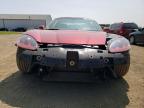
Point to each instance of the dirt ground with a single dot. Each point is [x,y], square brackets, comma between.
[27,91]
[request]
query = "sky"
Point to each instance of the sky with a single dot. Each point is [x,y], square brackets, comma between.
[103,11]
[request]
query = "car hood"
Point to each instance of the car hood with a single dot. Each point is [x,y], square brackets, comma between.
[68,37]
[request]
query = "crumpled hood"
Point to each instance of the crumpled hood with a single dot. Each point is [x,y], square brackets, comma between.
[68,37]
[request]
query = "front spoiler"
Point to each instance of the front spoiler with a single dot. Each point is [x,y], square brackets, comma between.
[56,57]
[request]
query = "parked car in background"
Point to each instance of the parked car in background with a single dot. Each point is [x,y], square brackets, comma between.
[19,29]
[123,29]
[106,29]
[137,37]
[104,25]
[4,29]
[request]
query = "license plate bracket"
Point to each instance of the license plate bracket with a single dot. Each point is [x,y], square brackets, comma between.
[72,59]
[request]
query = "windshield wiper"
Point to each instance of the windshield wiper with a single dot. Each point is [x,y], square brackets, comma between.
[53,29]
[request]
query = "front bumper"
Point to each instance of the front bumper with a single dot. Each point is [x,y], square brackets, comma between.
[73,59]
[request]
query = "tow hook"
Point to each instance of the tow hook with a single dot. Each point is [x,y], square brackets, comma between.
[41,72]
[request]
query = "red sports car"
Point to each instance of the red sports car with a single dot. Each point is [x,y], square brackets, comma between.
[73,44]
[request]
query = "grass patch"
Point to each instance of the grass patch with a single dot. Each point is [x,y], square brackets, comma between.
[8,32]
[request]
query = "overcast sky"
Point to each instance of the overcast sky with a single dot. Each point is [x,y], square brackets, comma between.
[103,11]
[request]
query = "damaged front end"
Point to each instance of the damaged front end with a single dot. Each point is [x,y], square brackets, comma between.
[72,58]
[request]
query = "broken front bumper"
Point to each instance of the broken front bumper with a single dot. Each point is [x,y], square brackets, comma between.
[69,58]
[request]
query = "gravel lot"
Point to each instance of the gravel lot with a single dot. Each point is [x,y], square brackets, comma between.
[27,91]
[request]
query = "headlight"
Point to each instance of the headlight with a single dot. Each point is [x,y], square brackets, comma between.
[118,45]
[27,42]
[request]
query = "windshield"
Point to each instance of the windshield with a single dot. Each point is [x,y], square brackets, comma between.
[130,26]
[75,24]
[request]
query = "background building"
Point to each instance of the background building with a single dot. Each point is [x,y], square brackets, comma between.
[14,21]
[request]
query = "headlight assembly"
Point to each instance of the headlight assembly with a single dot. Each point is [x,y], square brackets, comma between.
[27,42]
[118,45]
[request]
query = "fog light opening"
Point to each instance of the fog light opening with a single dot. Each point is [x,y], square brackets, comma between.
[39,58]
[106,60]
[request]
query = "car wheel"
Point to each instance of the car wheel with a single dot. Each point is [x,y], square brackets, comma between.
[122,69]
[23,63]
[132,40]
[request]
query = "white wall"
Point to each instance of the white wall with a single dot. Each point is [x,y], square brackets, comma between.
[26,23]
[1,23]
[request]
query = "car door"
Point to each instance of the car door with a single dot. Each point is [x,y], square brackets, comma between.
[139,38]
[119,29]
[113,29]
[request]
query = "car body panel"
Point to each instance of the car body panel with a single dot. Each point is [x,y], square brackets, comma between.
[68,37]
[138,36]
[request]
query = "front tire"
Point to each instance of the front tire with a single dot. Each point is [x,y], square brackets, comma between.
[23,63]
[122,69]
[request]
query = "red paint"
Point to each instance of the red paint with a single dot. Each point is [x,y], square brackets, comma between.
[68,36]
